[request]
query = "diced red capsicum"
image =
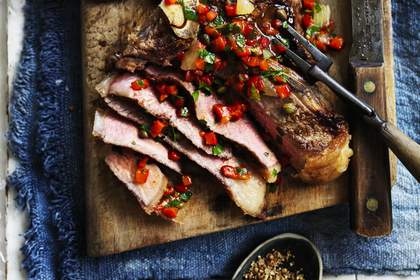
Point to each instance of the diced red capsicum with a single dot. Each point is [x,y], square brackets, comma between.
[234,172]
[169,190]
[336,43]
[202,9]
[199,64]
[307,20]
[170,212]
[186,181]
[181,188]
[209,138]
[237,111]
[230,10]
[222,113]
[174,155]
[283,91]
[170,2]
[157,128]
[309,4]
[140,84]
[251,61]
[219,44]
[141,176]
[211,15]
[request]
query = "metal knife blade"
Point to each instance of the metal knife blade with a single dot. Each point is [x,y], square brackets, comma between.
[367,48]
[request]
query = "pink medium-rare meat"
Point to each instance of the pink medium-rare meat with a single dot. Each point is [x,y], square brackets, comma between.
[146,99]
[248,195]
[149,194]
[113,130]
[242,131]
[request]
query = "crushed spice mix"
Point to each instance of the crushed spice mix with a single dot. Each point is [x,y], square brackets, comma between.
[275,266]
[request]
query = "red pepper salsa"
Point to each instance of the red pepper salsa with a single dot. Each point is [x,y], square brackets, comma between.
[142,173]
[236,173]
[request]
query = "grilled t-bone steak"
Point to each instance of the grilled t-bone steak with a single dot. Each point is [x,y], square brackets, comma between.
[314,137]
[241,132]
[146,99]
[149,194]
[249,194]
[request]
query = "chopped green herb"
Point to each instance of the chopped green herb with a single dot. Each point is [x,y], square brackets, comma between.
[267,54]
[274,173]
[184,112]
[311,30]
[190,14]
[207,56]
[140,82]
[317,8]
[272,187]
[241,171]
[255,94]
[273,73]
[185,196]
[285,24]
[205,88]
[218,21]
[217,150]
[195,95]
[240,40]
[174,203]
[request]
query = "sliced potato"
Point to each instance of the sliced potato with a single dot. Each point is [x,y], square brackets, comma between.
[189,31]
[188,62]
[322,16]
[183,28]
[244,7]
[174,13]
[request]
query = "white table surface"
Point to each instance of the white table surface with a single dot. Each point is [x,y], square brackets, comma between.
[13,222]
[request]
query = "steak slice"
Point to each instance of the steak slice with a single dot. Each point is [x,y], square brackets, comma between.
[149,194]
[113,130]
[248,195]
[146,99]
[314,136]
[240,132]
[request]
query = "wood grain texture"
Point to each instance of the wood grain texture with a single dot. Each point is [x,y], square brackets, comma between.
[371,182]
[115,223]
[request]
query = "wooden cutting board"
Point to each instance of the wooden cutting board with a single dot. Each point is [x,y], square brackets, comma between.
[115,222]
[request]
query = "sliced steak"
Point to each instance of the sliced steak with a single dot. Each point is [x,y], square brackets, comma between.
[314,136]
[113,130]
[121,86]
[249,195]
[241,132]
[149,194]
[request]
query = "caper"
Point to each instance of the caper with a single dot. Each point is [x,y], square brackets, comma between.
[289,108]
[143,134]
[221,90]
[205,38]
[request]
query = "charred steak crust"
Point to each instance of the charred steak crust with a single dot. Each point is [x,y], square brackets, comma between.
[149,37]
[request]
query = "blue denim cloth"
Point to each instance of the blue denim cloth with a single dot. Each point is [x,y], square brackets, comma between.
[46,138]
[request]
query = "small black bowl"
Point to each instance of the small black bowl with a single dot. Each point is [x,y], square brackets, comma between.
[307,255]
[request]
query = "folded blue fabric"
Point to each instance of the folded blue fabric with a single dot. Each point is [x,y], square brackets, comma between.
[46,138]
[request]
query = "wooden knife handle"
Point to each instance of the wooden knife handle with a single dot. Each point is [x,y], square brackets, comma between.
[405,148]
[370,191]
